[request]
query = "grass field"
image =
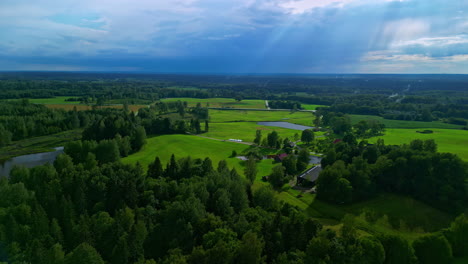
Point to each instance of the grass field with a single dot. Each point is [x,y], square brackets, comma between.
[38,144]
[311,106]
[246,131]
[448,140]
[220,102]
[300,118]
[196,147]
[242,124]
[403,124]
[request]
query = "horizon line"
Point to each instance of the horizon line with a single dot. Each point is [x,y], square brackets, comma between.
[220,73]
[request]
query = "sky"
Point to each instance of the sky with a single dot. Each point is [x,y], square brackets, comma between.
[235,36]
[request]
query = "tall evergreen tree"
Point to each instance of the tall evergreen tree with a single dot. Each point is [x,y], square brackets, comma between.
[172,169]
[250,169]
[258,137]
[155,169]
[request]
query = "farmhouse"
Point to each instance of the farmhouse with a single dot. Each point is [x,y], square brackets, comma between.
[278,157]
[337,141]
[309,176]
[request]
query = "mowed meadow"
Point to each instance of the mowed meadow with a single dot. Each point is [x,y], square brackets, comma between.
[448,140]
[197,148]
[300,118]
[242,124]
[449,137]
[311,106]
[215,144]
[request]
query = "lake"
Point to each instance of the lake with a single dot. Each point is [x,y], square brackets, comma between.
[284,125]
[29,161]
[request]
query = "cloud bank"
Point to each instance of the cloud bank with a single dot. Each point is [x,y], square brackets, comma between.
[235,36]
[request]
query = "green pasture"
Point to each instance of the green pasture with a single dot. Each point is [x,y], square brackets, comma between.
[246,131]
[220,102]
[241,124]
[403,124]
[448,140]
[300,118]
[196,147]
[311,106]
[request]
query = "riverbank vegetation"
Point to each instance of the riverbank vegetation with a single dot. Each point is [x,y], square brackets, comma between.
[38,144]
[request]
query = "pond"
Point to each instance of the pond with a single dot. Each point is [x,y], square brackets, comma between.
[284,125]
[29,161]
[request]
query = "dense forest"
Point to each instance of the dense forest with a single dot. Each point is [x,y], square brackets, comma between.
[90,211]
[90,207]
[355,171]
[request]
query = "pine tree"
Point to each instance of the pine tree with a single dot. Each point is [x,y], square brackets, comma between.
[155,169]
[172,169]
[258,137]
[250,170]
[84,253]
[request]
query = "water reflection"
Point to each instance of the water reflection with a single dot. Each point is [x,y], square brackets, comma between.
[29,161]
[284,125]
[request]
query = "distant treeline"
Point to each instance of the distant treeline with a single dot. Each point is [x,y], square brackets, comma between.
[391,96]
[20,120]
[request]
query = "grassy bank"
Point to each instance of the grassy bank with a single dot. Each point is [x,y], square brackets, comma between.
[38,144]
